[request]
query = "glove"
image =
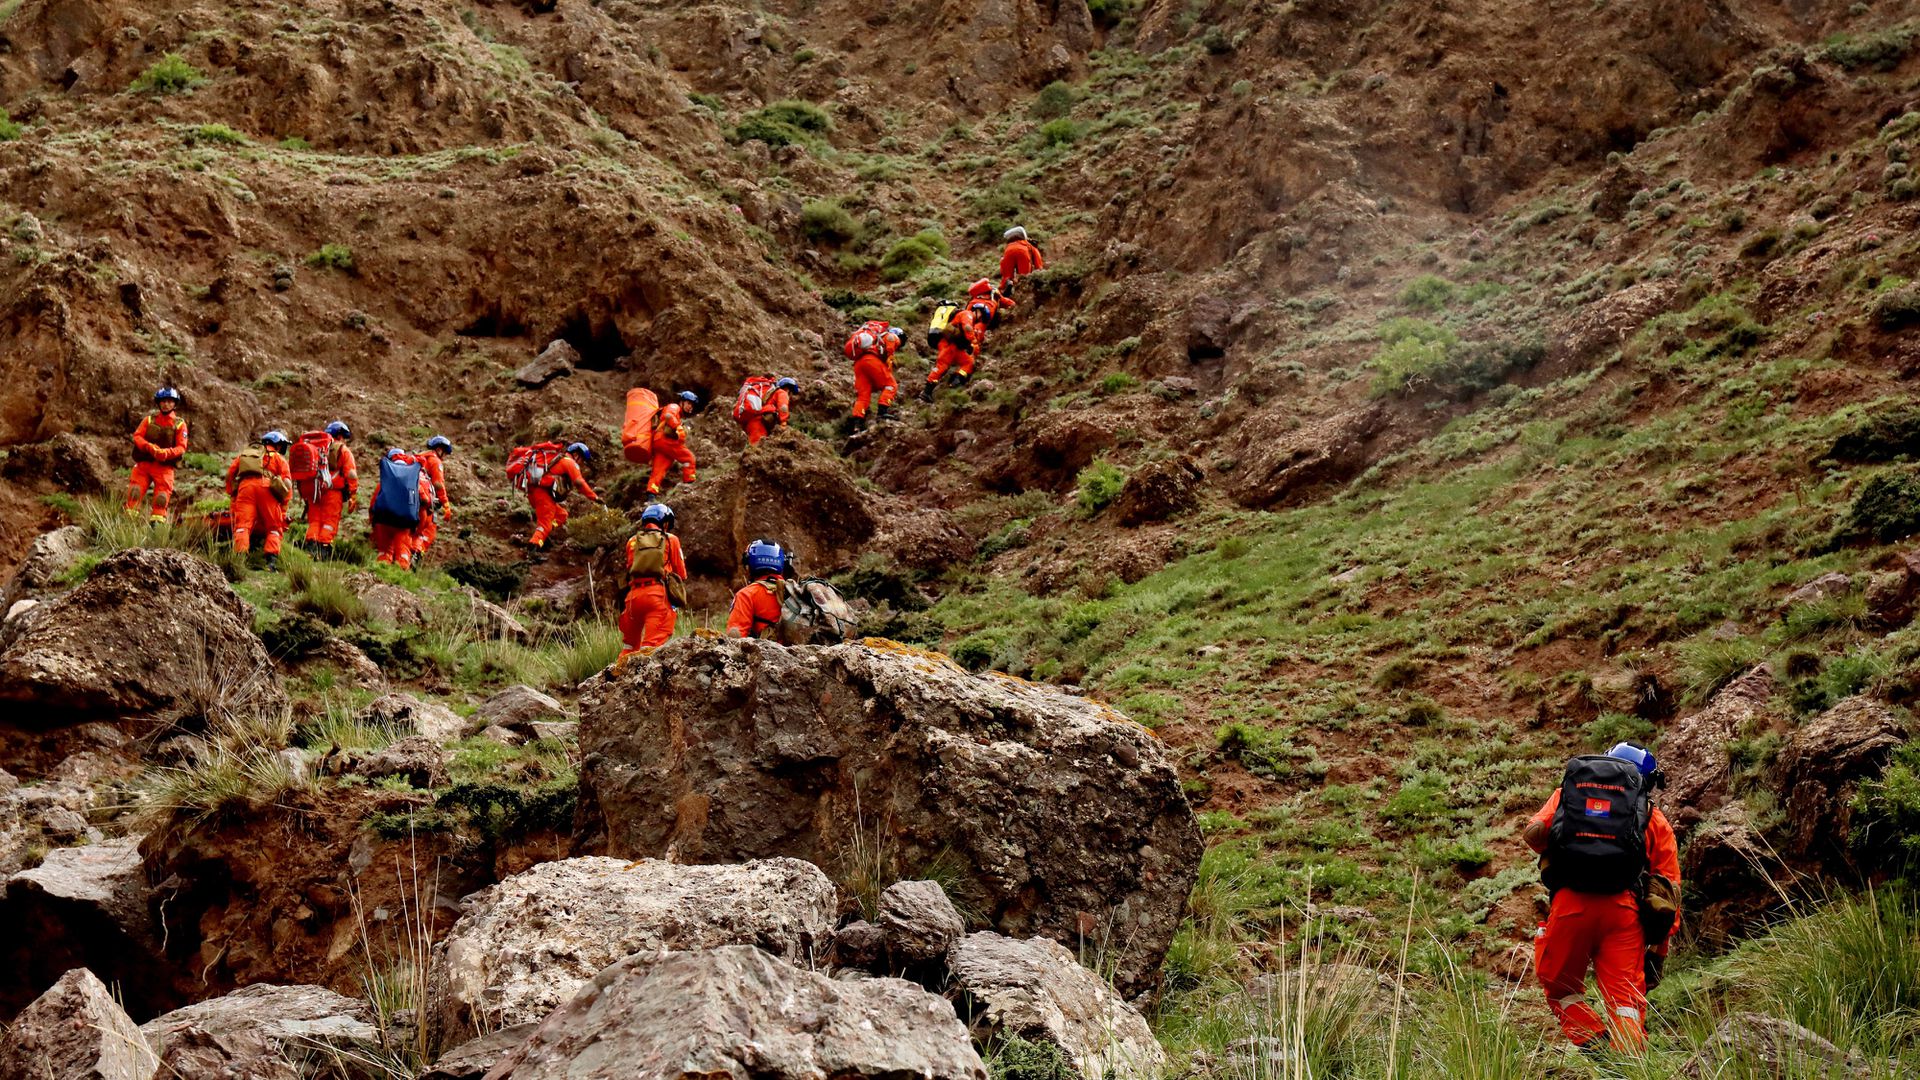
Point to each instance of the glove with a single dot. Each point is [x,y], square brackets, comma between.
[446,512]
[1655,969]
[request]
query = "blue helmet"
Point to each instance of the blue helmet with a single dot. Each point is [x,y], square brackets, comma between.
[767,557]
[580,451]
[166,393]
[658,514]
[274,438]
[440,442]
[1641,760]
[692,399]
[791,385]
[339,430]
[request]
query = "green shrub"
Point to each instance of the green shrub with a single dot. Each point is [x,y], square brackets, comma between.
[912,254]
[1898,308]
[1883,50]
[1233,547]
[332,257]
[784,123]
[1428,292]
[9,130]
[1886,822]
[218,134]
[1055,100]
[1060,132]
[1015,1058]
[1399,674]
[1412,353]
[827,221]
[1850,971]
[1013,535]
[974,652]
[1888,507]
[171,74]
[1118,382]
[1708,663]
[594,646]
[1110,12]
[1883,436]
[1099,484]
[1612,728]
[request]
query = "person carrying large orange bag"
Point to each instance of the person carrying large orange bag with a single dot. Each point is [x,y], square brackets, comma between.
[871,349]
[341,491]
[669,440]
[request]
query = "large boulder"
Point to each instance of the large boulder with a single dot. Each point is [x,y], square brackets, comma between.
[1059,816]
[475,1058]
[404,712]
[525,945]
[519,708]
[1781,1047]
[739,1012]
[75,1031]
[263,1032]
[1737,875]
[1159,490]
[1036,990]
[52,554]
[1822,766]
[557,359]
[1693,752]
[919,922]
[153,633]
[86,907]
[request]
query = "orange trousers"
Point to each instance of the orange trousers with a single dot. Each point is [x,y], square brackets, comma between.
[427,533]
[393,544]
[323,516]
[647,620]
[950,356]
[548,515]
[1603,931]
[155,476]
[254,505]
[759,425]
[665,453]
[870,373]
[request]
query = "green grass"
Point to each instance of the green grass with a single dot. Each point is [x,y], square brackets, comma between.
[171,74]
[9,129]
[331,257]
[785,123]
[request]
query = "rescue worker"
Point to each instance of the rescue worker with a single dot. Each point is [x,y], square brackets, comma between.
[959,346]
[1021,257]
[1596,836]
[562,477]
[433,468]
[656,574]
[983,293]
[756,607]
[392,538]
[775,403]
[871,349]
[159,442]
[258,487]
[340,495]
[670,440]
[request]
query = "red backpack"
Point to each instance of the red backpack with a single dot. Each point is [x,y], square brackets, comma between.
[307,461]
[528,466]
[756,394]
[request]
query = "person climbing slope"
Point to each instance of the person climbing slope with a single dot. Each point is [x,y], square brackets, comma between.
[983,294]
[159,442]
[1609,858]
[656,582]
[670,441]
[548,473]
[756,607]
[401,493]
[433,467]
[1020,258]
[258,487]
[960,346]
[763,405]
[871,348]
[338,495]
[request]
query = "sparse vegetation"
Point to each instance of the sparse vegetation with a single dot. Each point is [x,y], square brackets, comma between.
[1097,485]
[171,74]
[332,257]
[826,221]
[785,123]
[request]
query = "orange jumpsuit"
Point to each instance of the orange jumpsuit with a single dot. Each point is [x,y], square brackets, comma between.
[756,608]
[1019,259]
[647,620]
[758,425]
[399,544]
[323,517]
[952,356]
[548,514]
[871,349]
[434,472]
[158,445]
[254,504]
[1602,930]
[670,446]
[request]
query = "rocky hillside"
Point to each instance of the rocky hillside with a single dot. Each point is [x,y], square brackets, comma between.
[1416,395]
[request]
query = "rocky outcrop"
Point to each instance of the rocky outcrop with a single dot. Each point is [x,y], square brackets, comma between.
[557,359]
[525,945]
[1740,875]
[263,1032]
[738,1012]
[75,1031]
[1062,818]
[1822,766]
[475,1058]
[404,712]
[919,922]
[1037,991]
[418,759]
[1693,752]
[50,557]
[153,633]
[518,709]
[1159,490]
[86,907]
[1782,1047]
[1279,460]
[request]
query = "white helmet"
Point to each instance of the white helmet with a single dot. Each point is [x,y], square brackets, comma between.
[1015,233]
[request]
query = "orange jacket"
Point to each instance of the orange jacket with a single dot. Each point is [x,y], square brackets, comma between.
[161,439]
[973,326]
[873,339]
[668,422]
[435,471]
[565,471]
[1663,850]
[346,477]
[756,609]
[1021,257]
[676,562]
[275,466]
[779,402]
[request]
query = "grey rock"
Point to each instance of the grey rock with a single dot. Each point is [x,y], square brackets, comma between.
[50,556]
[919,921]
[1782,1046]
[1693,750]
[525,945]
[1065,819]
[1822,766]
[352,666]
[1824,587]
[503,736]
[473,1059]
[20,609]
[557,359]
[860,945]
[518,708]
[738,1012]
[1036,990]
[98,652]
[562,730]
[261,1032]
[389,604]
[75,1031]
[401,712]
[86,907]
[492,621]
[421,760]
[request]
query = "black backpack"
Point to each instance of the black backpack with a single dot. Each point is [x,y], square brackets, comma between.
[1597,842]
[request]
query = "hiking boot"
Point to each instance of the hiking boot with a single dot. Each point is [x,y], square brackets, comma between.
[273,561]
[926,392]
[886,414]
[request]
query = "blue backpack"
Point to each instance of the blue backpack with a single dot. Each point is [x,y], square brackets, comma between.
[398,500]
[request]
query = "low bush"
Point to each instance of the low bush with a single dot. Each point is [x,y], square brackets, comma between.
[1099,484]
[1055,100]
[1898,308]
[826,221]
[496,581]
[910,255]
[1428,292]
[1883,436]
[9,129]
[331,257]
[1887,508]
[784,123]
[1058,132]
[171,74]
